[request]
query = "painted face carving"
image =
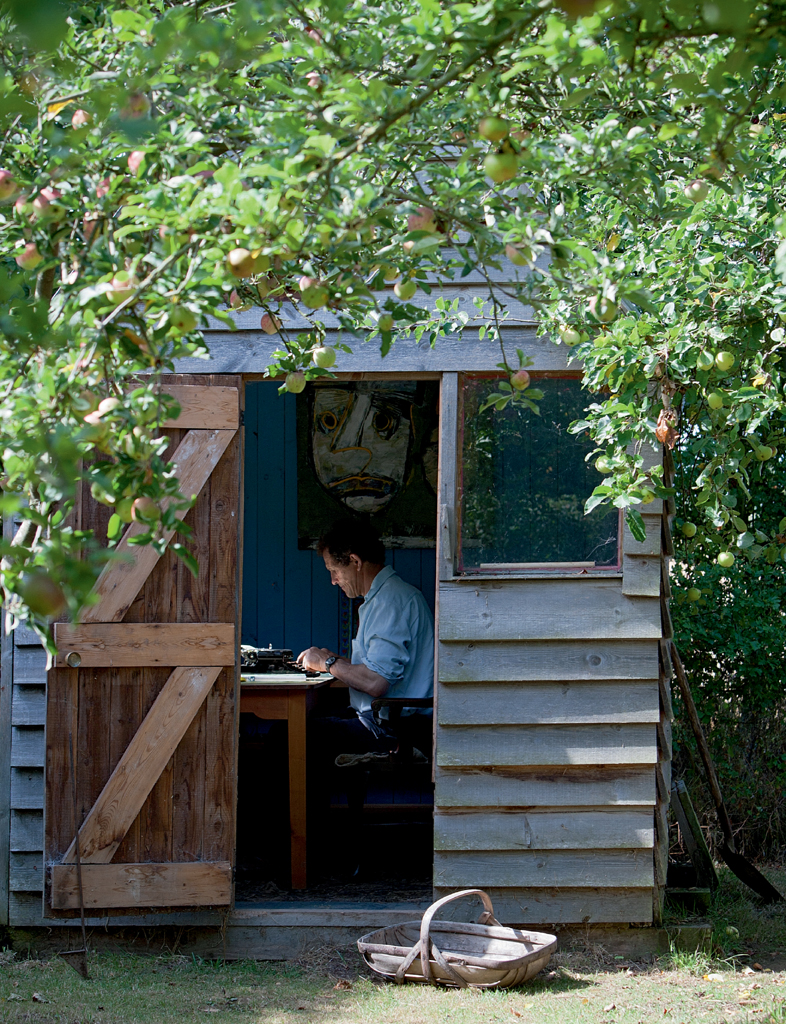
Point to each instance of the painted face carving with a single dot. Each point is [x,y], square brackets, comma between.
[360,444]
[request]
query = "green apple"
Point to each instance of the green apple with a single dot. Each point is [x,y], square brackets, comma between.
[602,309]
[240,263]
[183,319]
[764,452]
[693,594]
[726,559]
[697,191]
[313,292]
[29,257]
[689,529]
[705,360]
[724,361]
[520,380]
[123,285]
[42,595]
[501,166]
[603,465]
[569,336]
[145,510]
[715,400]
[495,129]
[385,322]
[295,382]
[405,289]
[325,356]
[391,273]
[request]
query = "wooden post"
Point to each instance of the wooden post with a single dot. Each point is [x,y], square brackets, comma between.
[296,732]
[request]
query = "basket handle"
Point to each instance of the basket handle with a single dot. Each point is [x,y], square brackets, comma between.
[426,944]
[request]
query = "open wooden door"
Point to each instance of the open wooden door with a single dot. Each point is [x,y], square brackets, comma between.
[150,710]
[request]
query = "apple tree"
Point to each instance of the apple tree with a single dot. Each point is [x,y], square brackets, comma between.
[162,163]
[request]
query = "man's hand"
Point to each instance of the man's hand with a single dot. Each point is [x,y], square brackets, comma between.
[314,659]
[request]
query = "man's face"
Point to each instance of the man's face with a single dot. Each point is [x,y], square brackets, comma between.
[348,577]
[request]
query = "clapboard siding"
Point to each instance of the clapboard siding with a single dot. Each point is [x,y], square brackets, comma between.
[27,831]
[641,575]
[508,610]
[544,868]
[27,747]
[651,545]
[27,788]
[534,907]
[549,703]
[501,661]
[537,787]
[546,745]
[29,705]
[27,872]
[599,828]
[29,666]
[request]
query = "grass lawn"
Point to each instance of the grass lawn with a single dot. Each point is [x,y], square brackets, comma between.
[743,981]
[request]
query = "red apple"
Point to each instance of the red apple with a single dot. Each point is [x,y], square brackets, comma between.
[314,80]
[30,257]
[102,188]
[80,118]
[135,160]
[520,256]
[520,380]
[123,285]
[313,292]
[315,34]
[8,186]
[46,205]
[270,324]
[145,510]
[424,219]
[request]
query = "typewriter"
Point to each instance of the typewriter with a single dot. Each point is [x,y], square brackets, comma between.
[258,660]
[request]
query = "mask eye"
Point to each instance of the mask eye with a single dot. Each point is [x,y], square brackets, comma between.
[327,422]
[385,423]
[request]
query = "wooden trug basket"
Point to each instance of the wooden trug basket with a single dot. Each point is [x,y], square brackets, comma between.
[482,955]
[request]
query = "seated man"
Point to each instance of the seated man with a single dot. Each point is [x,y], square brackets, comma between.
[393,653]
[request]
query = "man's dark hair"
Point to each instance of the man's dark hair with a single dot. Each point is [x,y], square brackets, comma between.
[352,537]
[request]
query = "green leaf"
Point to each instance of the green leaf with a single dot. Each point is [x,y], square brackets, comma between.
[636,524]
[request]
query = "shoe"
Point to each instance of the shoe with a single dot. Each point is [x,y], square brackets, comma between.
[370,757]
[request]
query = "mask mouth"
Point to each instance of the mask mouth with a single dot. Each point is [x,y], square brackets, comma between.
[364,486]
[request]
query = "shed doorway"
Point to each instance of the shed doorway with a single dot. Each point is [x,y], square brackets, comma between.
[384,853]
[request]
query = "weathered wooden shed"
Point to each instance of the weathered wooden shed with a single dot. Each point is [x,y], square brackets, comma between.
[552,721]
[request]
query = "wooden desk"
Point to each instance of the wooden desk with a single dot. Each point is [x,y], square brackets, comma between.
[290,696]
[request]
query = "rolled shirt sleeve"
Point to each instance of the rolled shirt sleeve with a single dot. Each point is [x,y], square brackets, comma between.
[395,639]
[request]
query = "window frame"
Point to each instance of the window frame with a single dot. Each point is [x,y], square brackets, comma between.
[542,569]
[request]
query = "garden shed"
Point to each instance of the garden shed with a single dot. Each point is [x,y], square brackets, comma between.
[551,758]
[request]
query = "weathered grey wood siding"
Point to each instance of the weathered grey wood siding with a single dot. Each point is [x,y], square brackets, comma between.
[551,739]
[26,804]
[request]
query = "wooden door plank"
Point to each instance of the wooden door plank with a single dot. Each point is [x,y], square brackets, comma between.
[447,541]
[121,581]
[536,610]
[199,883]
[203,408]
[549,702]
[137,644]
[145,758]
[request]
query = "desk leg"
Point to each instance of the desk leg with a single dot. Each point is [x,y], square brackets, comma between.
[296,723]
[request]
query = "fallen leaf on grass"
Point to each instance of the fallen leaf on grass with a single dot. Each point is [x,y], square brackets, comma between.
[713,977]
[758,967]
[611,1006]
[585,1001]
[38,998]
[20,999]
[343,984]
[748,970]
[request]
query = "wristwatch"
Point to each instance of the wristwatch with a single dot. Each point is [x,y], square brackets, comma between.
[330,662]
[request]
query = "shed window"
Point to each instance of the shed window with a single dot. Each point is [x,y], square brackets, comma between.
[524,481]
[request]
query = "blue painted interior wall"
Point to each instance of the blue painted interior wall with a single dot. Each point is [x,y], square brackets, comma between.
[288,599]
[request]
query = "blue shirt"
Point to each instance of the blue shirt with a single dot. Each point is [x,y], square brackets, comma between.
[395,639]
